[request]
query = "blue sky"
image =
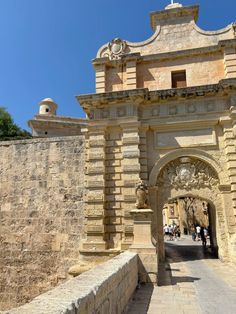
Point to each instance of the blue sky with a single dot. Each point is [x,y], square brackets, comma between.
[47,45]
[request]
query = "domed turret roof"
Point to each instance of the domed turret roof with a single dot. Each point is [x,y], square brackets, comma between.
[48,100]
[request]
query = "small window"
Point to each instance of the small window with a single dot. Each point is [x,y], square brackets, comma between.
[47,110]
[178,79]
[46,133]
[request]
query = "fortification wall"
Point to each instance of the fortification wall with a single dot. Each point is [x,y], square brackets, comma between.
[41,215]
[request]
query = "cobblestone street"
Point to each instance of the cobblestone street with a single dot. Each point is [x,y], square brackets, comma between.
[191,281]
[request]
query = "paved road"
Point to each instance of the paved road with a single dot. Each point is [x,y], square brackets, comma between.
[191,281]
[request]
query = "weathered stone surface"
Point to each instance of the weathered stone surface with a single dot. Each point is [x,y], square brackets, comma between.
[139,124]
[106,289]
[41,215]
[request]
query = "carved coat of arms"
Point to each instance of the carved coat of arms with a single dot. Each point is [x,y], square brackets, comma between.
[116,48]
[187,174]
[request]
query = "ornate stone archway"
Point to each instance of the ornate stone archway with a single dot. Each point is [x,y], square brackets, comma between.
[187,152]
[188,172]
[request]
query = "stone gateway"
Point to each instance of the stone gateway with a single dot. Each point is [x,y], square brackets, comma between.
[160,132]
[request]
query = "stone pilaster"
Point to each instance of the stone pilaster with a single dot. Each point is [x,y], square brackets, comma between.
[113,221]
[230,62]
[230,154]
[131,74]
[100,78]
[95,175]
[130,176]
[143,152]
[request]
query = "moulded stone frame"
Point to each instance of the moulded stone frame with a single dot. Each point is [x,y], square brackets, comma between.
[217,196]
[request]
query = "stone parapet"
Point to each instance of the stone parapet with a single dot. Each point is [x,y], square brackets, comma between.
[55,126]
[105,289]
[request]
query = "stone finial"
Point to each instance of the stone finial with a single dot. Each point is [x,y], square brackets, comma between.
[173,5]
[47,107]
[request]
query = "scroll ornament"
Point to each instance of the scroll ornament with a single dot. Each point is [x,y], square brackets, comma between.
[115,49]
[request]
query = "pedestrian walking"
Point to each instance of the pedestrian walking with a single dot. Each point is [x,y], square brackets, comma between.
[193,233]
[203,237]
[166,231]
[198,231]
[171,232]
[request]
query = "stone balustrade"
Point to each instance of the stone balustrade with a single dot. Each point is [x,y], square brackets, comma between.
[107,288]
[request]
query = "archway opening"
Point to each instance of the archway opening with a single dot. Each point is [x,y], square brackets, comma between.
[189,186]
[191,219]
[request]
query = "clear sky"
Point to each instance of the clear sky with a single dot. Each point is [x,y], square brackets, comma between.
[47,45]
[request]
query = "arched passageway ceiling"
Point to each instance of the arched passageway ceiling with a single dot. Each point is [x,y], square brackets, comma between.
[191,153]
[203,197]
[211,196]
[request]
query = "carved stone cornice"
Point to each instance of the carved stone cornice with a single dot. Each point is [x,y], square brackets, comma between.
[114,62]
[173,13]
[227,43]
[41,124]
[144,96]
[102,99]
[163,56]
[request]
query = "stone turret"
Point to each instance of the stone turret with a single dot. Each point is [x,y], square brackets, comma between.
[48,124]
[47,107]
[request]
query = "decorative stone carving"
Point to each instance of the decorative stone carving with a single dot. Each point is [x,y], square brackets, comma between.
[191,108]
[91,115]
[105,113]
[234,28]
[171,210]
[121,112]
[210,107]
[186,173]
[115,48]
[141,195]
[173,110]
[155,111]
[205,207]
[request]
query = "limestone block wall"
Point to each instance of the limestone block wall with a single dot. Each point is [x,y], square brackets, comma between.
[200,70]
[41,215]
[116,78]
[105,289]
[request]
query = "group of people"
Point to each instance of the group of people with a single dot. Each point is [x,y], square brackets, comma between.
[199,234]
[171,232]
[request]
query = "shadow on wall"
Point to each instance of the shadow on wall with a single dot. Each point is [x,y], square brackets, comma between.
[141,299]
